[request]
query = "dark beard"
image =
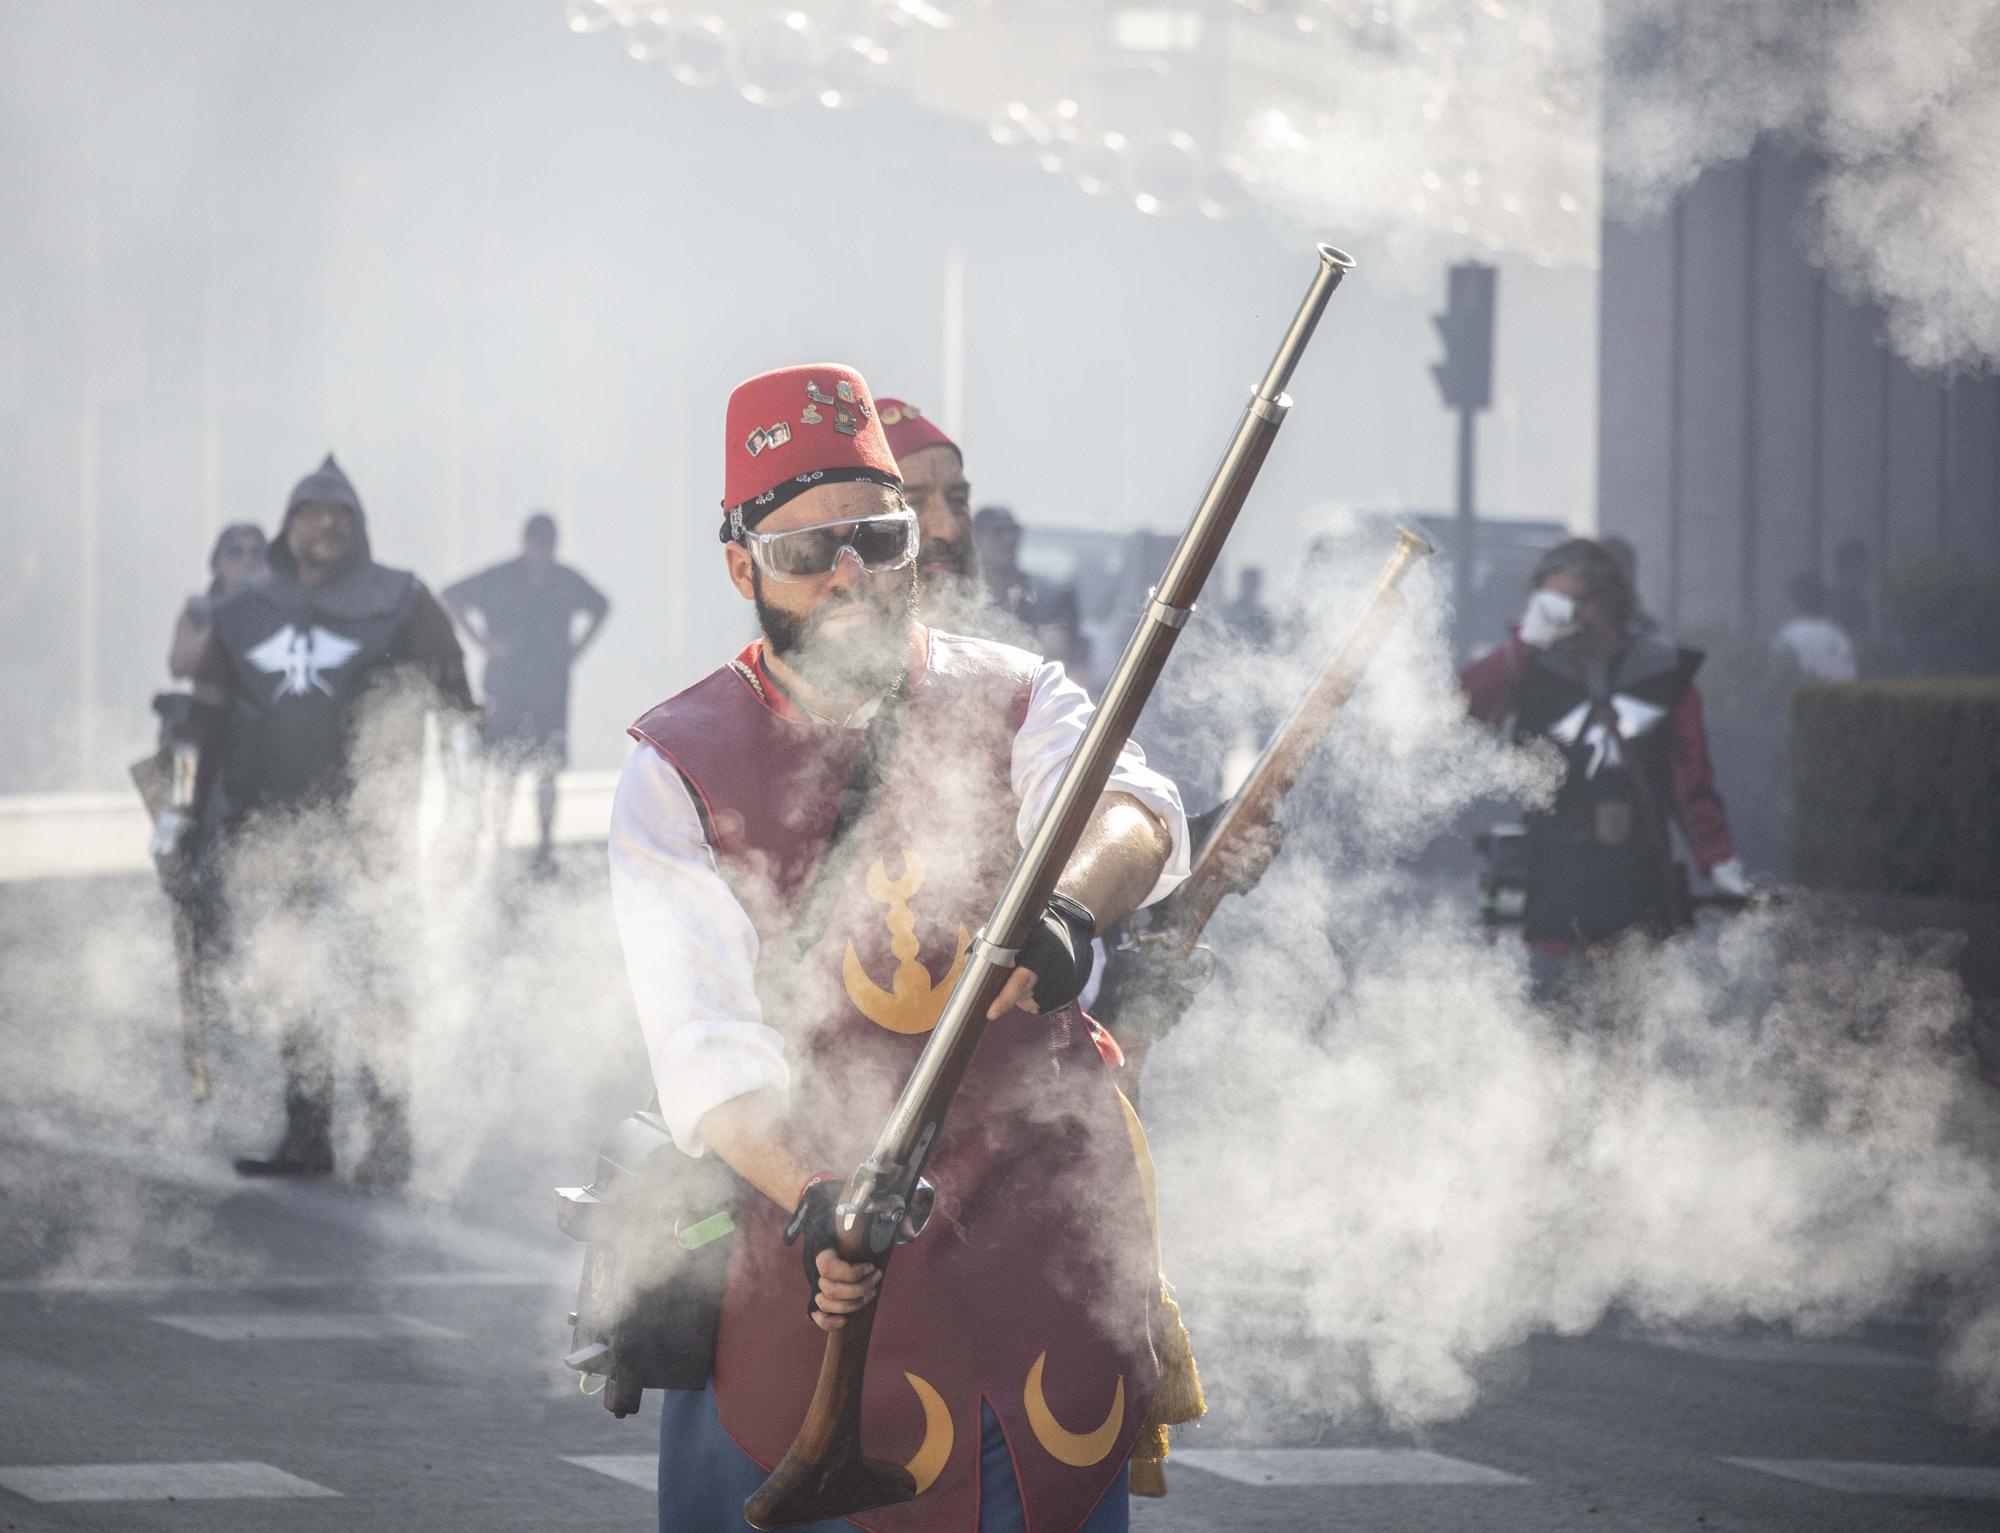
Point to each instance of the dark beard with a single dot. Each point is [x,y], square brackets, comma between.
[946,556]
[859,663]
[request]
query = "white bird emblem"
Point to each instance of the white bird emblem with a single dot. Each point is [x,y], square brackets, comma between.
[1634,718]
[300,660]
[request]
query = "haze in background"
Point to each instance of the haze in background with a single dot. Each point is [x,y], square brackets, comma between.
[498,266]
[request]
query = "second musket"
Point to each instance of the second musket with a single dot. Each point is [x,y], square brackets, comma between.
[1285,755]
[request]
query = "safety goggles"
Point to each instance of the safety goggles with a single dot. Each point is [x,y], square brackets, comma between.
[879,544]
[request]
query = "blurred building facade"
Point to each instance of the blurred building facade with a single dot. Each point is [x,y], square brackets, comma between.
[1752,420]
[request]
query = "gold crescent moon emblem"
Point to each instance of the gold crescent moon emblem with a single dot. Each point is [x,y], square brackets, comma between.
[1079,1450]
[935,1452]
[914,1000]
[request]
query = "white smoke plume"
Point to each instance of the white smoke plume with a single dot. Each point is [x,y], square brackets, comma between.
[499,1004]
[1900,100]
[1420,126]
[1777,1120]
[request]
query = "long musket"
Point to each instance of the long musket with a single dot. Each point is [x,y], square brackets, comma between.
[1285,755]
[825,1473]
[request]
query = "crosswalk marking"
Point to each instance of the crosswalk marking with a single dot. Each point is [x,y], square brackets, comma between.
[640,1469]
[237,1480]
[115,1287]
[1964,1481]
[308,1325]
[1788,1349]
[1339,1466]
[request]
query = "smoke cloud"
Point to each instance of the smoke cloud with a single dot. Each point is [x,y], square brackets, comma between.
[499,1005]
[1775,1120]
[1902,104]
[1486,127]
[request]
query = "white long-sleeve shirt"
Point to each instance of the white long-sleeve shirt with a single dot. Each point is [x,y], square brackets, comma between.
[691,951]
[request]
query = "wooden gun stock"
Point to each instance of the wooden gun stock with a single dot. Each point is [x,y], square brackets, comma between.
[824,1469]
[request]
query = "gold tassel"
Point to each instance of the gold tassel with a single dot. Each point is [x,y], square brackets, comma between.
[1179,1399]
[1149,1471]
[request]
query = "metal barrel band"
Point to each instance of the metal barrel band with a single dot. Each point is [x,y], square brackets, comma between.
[1166,613]
[1272,410]
[989,951]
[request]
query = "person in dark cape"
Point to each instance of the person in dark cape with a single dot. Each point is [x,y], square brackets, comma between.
[1618,700]
[311,694]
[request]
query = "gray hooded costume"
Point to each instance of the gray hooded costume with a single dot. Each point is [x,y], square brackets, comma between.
[297,661]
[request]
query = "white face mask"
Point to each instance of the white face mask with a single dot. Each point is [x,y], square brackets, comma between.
[1550,616]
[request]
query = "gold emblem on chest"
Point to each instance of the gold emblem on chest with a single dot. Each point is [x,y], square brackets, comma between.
[913,1001]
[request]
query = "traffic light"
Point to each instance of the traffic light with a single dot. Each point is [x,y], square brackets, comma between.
[1465,376]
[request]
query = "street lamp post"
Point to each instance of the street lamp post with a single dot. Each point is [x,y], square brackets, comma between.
[1465,379]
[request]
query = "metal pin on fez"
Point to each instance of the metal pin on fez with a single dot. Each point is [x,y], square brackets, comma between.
[768,436]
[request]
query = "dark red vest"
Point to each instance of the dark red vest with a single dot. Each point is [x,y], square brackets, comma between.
[1031,1289]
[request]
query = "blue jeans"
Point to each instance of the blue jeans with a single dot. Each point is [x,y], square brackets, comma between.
[705,1478]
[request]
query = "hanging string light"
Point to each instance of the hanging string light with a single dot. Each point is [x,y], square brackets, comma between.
[1409,111]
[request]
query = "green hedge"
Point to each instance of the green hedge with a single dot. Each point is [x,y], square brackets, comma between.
[1896,787]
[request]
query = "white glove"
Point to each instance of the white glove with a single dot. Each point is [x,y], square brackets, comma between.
[1550,616]
[1730,879]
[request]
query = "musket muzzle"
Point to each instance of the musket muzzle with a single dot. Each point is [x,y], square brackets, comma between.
[1333,265]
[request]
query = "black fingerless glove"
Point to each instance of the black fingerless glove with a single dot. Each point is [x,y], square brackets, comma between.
[811,1226]
[1059,952]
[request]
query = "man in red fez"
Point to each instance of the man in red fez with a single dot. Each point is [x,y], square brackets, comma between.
[801,846]
[932,466]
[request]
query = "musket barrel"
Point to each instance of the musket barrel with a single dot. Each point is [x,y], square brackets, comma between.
[1333,265]
[907,1134]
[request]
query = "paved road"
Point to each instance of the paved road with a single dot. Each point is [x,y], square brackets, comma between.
[179,1351]
[361,1363]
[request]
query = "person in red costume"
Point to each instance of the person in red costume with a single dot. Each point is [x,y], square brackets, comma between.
[801,844]
[1621,705]
[936,490]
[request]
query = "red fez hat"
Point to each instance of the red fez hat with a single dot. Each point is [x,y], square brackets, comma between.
[910,430]
[798,427]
